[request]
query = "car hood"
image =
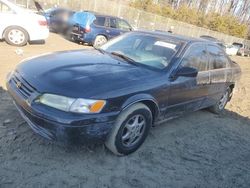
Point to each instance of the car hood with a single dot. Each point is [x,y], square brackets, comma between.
[85,74]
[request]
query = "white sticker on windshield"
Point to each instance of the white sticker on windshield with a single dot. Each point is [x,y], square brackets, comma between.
[165,44]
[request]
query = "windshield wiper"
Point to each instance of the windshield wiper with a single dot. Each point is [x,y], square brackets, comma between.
[128,59]
[100,50]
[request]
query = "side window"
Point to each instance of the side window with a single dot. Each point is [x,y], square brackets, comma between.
[196,57]
[4,8]
[123,25]
[100,21]
[113,23]
[218,60]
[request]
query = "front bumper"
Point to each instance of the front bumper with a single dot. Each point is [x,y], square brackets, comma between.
[62,126]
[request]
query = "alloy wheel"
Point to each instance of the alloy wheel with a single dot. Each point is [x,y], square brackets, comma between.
[133,130]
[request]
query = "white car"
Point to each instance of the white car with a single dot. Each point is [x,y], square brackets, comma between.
[19,26]
[231,50]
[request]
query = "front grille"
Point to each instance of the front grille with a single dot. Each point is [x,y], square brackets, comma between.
[23,87]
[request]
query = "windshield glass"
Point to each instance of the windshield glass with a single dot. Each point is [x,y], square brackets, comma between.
[144,49]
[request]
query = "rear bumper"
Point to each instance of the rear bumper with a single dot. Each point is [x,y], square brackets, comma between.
[83,37]
[39,33]
[62,126]
[77,37]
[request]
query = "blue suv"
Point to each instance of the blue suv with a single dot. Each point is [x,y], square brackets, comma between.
[96,29]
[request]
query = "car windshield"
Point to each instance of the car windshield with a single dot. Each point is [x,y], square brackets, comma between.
[143,49]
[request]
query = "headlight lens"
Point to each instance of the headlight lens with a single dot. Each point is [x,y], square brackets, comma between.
[72,105]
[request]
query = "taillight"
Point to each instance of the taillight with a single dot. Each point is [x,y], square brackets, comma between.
[87,29]
[42,22]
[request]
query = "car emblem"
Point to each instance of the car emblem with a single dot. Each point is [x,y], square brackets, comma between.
[18,84]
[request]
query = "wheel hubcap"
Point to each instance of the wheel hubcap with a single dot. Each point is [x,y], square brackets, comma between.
[16,36]
[133,130]
[100,41]
[223,101]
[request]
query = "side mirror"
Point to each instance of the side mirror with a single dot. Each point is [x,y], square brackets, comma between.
[187,72]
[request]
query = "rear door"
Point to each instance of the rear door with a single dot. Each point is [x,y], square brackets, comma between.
[113,27]
[219,70]
[188,94]
[101,26]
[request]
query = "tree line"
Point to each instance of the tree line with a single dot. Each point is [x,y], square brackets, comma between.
[227,16]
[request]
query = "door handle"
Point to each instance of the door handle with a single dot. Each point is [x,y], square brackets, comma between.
[107,31]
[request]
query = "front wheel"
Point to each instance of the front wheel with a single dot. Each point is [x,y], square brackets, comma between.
[130,130]
[16,36]
[220,105]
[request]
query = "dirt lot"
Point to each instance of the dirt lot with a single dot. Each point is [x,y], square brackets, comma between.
[197,150]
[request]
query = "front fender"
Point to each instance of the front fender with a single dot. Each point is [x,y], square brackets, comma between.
[141,98]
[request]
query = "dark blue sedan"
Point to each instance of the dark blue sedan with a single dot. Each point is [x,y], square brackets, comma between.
[116,93]
[96,29]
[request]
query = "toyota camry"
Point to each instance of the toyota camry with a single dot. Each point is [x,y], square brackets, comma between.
[115,94]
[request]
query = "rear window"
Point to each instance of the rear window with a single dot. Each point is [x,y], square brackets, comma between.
[100,21]
[113,22]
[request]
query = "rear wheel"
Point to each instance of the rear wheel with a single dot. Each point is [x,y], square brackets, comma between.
[130,130]
[16,36]
[220,105]
[99,40]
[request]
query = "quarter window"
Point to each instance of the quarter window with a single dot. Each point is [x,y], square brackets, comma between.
[217,58]
[196,57]
[100,21]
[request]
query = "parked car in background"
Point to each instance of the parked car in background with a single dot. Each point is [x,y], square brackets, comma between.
[243,49]
[231,50]
[116,93]
[19,26]
[96,29]
[57,18]
[215,40]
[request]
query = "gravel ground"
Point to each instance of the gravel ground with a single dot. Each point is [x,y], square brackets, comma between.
[197,150]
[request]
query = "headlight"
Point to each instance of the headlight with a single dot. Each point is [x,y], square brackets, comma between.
[72,105]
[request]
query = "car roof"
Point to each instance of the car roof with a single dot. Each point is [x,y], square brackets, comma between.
[104,15]
[182,38]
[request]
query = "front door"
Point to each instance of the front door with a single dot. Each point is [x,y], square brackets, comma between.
[188,93]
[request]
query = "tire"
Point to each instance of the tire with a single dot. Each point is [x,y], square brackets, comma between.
[219,107]
[117,141]
[16,36]
[99,40]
